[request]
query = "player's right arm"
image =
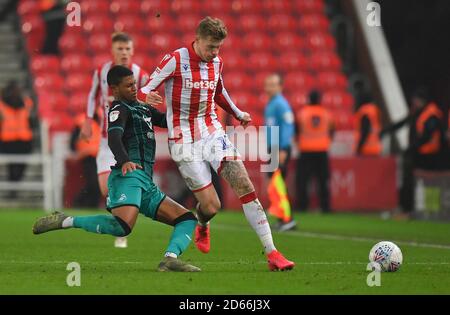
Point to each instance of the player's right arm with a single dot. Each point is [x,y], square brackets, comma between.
[163,72]
[86,128]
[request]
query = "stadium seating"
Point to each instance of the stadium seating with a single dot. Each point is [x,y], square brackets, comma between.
[289,37]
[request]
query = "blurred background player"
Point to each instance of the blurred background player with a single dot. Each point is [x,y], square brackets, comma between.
[278,113]
[131,188]
[368,128]
[86,152]
[193,84]
[100,93]
[16,136]
[315,133]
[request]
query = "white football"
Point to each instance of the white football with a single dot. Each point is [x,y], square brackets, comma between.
[387,255]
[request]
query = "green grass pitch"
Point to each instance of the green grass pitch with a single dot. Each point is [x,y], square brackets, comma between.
[331,253]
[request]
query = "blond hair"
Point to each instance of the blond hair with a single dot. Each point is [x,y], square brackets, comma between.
[213,27]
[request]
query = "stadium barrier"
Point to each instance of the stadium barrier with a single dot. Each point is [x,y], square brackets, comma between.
[44,159]
[432,195]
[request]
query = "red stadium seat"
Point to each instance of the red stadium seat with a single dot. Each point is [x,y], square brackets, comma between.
[98,23]
[331,80]
[100,43]
[188,23]
[156,25]
[77,102]
[233,61]
[163,42]
[246,6]
[100,59]
[243,100]
[309,6]
[78,82]
[180,7]
[61,122]
[276,6]
[296,80]
[77,63]
[337,99]
[313,23]
[48,82]
[150,8]
[129,23]
[251,22]
[120,7]
[231,43]
[28,7]
[141,43]
[325,61]
[262,60]
[259,79]
[281,23]
[320,41]
[287,41]
[48,101]
[343,119]
[297,99]
[289,61]
[237,80]
[139,58]
[72,42]
[33,28]
[256,41]
[95,7]
[215,7]
[41,64]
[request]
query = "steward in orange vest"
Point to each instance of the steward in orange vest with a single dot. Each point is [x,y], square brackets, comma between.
[429,135]
[315,131]
[86,153]
[82,147]
[16,136]
[15,121]
[368,127]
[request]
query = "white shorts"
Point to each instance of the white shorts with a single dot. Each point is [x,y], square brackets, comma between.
[195,160]
[105,158]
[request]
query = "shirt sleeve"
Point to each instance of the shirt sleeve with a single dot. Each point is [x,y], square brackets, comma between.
[163,72]
[158,118]
[117,119]
[223,99]
[95,87]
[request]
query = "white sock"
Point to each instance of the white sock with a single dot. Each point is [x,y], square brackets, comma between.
[67,223]
[256,216]
[169,254]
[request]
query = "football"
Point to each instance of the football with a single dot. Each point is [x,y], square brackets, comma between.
[387,255]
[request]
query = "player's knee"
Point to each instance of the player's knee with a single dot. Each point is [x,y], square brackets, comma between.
[212,206]
[124,229]
[188,216]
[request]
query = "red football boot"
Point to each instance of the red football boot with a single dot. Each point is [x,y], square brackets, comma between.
[202,240]
[277,261]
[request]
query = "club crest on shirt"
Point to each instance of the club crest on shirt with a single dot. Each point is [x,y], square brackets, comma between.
[114,115]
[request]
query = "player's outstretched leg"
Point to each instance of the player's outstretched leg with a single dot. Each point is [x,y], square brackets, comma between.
[100,224]
[184,222]
[236,175]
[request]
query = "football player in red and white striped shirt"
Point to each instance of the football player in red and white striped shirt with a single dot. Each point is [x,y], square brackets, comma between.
[101,95]
[193,84]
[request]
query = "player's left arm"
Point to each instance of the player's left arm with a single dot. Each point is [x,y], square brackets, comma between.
[117,121]
[158,118]
[223,100]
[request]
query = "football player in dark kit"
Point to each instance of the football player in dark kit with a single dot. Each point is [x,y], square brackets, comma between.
[130,184]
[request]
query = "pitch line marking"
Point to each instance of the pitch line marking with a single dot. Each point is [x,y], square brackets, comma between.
[212,262]
[336,237]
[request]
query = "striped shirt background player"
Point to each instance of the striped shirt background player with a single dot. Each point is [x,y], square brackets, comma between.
[101,95]
[192,77]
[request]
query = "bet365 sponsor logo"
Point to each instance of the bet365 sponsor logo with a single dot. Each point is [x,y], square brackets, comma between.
[202,84]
